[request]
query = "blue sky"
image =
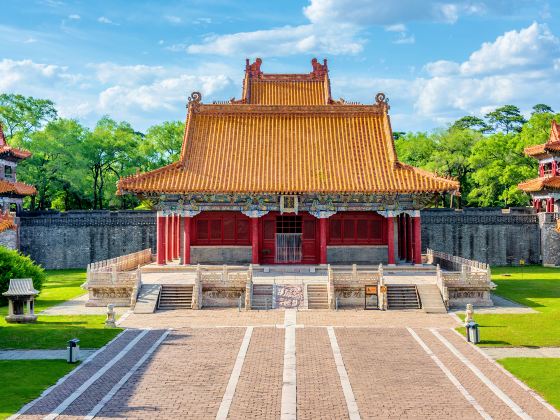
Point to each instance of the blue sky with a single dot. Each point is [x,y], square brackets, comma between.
[139,60]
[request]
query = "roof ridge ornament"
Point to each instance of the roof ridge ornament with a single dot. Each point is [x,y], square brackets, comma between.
[254,70]
[319,70]
[382,100]
[194,101]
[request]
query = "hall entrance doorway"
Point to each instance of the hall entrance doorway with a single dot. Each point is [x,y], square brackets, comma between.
[289,239]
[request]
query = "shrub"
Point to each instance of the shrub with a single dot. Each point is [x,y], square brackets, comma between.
[14,265]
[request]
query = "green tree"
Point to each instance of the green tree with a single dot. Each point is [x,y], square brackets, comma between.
[54,167]
[109,152]
[162,144]
[470,122]
[506,118]
[498,165]
[542,109]
[14,265]
[24,114]
[416,149]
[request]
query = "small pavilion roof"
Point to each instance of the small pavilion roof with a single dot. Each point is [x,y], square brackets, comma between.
[540,184]
[16,188]
[21,287]
[551,146]
[6,150]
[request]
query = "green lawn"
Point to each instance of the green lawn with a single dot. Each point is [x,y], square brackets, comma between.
[543,375]
[24,380]
[61,285]
[51,332]
[533,286]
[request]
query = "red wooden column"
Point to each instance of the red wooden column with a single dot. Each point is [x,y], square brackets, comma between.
[161,232]
[391,239]
[417,240]
[177,238]
[169,238]
[409,239]
[323,241]
[255,240]
[187,240]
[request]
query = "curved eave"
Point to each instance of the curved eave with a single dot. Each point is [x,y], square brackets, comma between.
[540,184]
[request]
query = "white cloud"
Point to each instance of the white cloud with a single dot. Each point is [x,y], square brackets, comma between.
[105,20]
[287,40]
[173,19]
[30,40]
[517,67]
[383,12]
[397,27]
[74,17]
[404,38]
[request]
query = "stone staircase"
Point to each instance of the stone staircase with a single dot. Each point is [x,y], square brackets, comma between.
[402,296]
[147,299]
[262,296]
[317,296]
[175,297]
[431,299]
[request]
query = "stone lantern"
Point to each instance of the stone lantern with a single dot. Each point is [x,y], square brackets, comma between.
[21,295]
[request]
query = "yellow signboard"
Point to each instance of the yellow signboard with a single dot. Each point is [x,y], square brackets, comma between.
[521,262]
[371,290]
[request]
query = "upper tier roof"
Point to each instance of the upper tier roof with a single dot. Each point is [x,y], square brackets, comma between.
[286,139]
[540,184]
[552,146]
[16,188]
[7,151]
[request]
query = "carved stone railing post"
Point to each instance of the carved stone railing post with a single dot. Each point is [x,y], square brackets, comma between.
[225,273]
[249,288]
[354,272]
[330,288]
[197,289]
[382,289]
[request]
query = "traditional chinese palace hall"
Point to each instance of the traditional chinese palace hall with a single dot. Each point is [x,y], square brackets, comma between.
[288,175]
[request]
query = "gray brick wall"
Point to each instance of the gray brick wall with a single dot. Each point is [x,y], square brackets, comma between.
[486,235]
[8,238]
[74,239]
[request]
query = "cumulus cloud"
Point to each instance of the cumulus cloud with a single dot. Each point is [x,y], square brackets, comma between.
[104,20]
[287,40]
[382,12]
[173,19]
[74,17]
[517,67]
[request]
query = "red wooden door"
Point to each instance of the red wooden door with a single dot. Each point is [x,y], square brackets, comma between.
[274,223]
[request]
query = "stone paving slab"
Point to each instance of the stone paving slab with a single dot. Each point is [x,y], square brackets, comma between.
[393,378]
[498,375]
[539,352]
[259,390]
[374,318]
[47,403]
[320,394]
[186,378]
[42,354]
[489,401]
[205,318]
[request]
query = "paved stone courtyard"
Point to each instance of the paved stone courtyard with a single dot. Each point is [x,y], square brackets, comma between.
[287,364]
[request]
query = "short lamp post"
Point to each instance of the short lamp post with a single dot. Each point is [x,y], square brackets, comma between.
[73,351]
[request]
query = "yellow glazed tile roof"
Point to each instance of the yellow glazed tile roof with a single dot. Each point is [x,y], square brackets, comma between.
[277,92]
[539,184]
[552,145]
[288,149]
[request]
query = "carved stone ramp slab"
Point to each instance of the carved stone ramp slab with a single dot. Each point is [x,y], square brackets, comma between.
[147,299]
[430,298]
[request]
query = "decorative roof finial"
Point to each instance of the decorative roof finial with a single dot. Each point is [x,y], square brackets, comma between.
[254,70]
[2,138]
[382,100]
[319,70]
[194,101]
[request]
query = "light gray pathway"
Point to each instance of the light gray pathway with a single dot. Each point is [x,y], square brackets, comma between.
[503,352]
[41,354]
[501,306]
[77,306]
